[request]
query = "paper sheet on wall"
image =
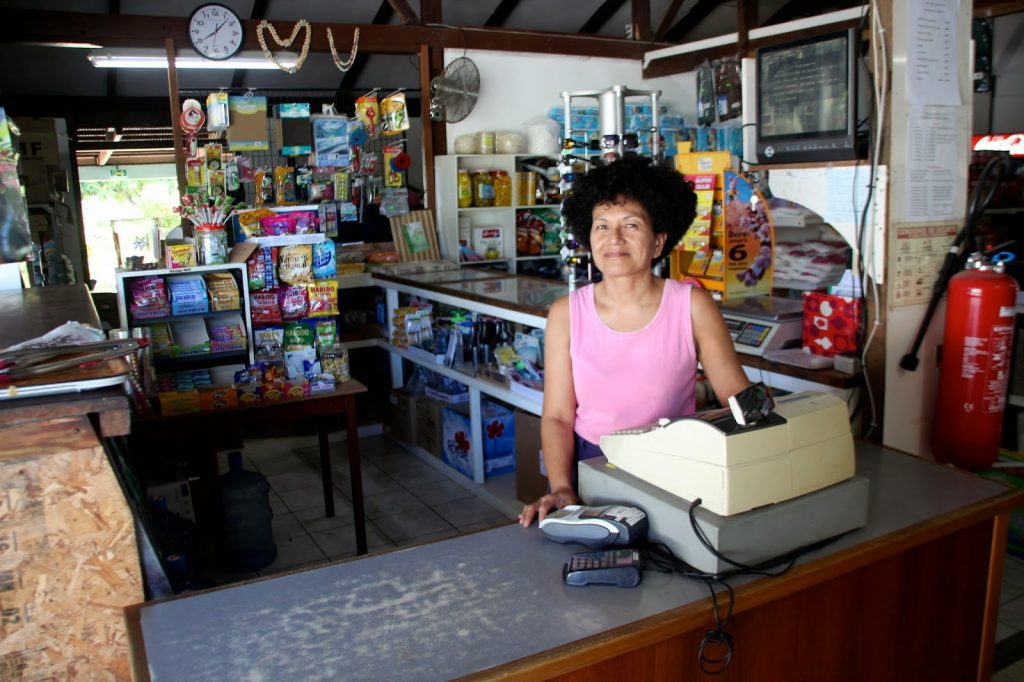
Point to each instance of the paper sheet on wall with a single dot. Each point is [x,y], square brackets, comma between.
[917,252]
[932,52]
[933,160]
[838,194]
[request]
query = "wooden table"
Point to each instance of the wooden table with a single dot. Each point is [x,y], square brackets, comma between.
[201,426]
[913,595]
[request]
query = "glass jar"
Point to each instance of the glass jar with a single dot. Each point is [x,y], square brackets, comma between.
[212,244]
[483,188]
[485,142]
[502,189]
[465,189]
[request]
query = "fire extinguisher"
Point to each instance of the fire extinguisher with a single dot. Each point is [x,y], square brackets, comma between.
[977,345]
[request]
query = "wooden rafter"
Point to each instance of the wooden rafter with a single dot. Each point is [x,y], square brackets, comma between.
[113,7]
[22,26]
[348,81]
[601,16]
[697,14]
[405,12]
[640,19]
[501,13]
[259,12]
[746,19]
[666,21]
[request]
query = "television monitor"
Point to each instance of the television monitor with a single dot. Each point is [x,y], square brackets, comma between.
[807,100]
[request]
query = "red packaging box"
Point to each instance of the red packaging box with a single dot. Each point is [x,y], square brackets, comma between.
[830,323]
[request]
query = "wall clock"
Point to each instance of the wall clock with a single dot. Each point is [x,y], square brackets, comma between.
[215,32]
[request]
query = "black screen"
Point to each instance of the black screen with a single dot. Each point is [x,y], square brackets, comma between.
[804,90]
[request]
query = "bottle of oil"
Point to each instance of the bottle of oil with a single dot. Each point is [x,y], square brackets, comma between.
[502,189]
[465,189]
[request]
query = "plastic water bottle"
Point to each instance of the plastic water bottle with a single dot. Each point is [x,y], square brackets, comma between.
[245,503]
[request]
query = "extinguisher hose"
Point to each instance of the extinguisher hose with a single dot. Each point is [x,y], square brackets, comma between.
[963,245]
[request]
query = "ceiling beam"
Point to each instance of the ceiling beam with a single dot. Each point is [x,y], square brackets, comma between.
[349,79]
[640,19]
[21,26]
[666,21]
[698,13]
[501,13]
[113,7]
[601,16]
[259,12]
[682,63]
[746,19]
[405,12]
[104,156]
[997,8]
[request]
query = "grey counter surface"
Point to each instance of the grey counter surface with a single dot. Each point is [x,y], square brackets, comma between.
[466,604]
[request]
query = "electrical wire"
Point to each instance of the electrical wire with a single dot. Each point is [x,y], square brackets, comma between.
[880,85]
[657,556]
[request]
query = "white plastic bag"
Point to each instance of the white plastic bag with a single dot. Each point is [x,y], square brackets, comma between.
[543,136]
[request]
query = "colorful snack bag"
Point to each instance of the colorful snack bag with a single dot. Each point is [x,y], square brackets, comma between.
[265,308]
[295,265]
[294,302]
[324,260]
[323,298]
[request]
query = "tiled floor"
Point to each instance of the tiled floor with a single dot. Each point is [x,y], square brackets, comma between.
[407,501]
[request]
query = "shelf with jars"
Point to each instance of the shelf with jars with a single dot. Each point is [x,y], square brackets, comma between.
[499,210]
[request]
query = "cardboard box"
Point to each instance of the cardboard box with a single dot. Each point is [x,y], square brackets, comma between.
[429,431]
[531,480]
[830,323]
[217,397]
[457,439]
[499,436]
[402,415]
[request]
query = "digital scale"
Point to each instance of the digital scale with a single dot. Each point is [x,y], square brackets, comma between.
[763,323]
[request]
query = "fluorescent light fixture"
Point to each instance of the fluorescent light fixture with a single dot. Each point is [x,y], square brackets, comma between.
[74,46]
[157,59]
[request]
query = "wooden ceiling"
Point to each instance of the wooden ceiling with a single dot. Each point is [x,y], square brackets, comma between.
[387,28]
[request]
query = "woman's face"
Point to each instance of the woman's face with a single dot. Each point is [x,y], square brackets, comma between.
[622,238]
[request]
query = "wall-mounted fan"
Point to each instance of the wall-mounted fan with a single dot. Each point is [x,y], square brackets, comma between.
[453,94]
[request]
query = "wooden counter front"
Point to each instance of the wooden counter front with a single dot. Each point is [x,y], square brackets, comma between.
[68,558]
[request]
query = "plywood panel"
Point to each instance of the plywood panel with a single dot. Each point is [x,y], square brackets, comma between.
[68,559]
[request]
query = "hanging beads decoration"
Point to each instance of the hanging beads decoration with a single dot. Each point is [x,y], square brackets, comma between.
[301,24]
[344,66]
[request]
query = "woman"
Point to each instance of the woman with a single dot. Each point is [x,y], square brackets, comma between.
[624,352]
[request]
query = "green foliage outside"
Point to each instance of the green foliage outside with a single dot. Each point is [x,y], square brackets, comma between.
[123,200]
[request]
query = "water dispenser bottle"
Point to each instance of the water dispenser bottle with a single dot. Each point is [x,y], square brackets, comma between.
[248,533]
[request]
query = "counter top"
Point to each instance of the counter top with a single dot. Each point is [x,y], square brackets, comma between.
[479,601]
[520,293]
[28,313]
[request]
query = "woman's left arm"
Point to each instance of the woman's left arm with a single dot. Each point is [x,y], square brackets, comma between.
[715,349]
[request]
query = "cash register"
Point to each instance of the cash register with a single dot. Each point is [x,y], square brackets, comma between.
[782,482]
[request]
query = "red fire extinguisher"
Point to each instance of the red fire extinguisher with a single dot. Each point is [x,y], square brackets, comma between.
[977,345]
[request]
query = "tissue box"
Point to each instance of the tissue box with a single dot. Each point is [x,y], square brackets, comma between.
[830,323]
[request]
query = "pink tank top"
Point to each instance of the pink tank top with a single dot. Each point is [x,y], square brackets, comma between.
[628,379]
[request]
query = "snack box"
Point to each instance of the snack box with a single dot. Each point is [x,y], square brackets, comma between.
[217,398]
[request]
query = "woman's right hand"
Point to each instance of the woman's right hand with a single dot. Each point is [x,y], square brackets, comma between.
[553,500]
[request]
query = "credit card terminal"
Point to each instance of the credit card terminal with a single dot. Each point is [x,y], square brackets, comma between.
[619,567]
[611,525]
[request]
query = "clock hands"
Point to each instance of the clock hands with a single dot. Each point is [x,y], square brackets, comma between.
[214,32]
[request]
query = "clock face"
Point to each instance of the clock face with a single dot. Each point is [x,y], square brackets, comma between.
[215,32]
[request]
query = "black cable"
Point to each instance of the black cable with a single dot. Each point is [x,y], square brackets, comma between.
[657,556]
[963,245]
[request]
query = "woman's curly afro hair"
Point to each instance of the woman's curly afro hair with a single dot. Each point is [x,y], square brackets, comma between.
[664,193]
